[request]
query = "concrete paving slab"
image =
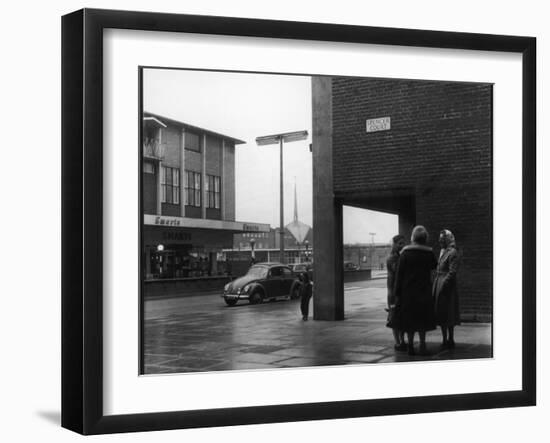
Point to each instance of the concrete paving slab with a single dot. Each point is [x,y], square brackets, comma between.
[201,333]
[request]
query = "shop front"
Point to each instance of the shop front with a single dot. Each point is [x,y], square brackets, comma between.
[186,255]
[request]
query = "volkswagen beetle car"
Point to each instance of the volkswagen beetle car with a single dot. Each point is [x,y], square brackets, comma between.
[263,281]
[300,268]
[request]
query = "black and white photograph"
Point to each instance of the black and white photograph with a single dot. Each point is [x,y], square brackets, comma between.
[292,221]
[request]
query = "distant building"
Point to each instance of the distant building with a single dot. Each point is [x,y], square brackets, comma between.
[298,238]
[368,255]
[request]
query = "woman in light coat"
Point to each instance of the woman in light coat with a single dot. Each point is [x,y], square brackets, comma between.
[447,312]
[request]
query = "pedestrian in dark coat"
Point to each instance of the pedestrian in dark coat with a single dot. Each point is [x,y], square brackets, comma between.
[398,243]
[413,289]
[445,294]
[306,291]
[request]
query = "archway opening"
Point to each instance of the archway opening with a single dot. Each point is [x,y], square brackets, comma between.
[366,237]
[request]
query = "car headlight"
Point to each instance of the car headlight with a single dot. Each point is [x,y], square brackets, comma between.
[226,287]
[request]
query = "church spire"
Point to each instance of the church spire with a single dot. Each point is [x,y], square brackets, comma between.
[295,202]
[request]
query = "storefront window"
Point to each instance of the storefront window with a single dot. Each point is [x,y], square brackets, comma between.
[182,261]
[170,183]
[213,191]
[193,188]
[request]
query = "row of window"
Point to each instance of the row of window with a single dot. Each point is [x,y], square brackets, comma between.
[170,184]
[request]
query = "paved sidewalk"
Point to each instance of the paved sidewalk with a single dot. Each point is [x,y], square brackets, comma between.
[202,334]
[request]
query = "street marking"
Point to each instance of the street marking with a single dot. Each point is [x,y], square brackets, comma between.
[352,288]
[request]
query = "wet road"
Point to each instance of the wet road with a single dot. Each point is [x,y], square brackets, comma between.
[356,293]
[201,333]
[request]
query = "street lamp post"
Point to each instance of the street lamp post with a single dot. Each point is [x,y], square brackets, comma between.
[280,139]
[307,249]
[372,234]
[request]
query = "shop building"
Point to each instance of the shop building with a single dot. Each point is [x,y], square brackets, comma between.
[188,204]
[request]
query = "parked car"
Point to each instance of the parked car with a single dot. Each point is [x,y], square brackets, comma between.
[350,266]
[263,281]
[299,268]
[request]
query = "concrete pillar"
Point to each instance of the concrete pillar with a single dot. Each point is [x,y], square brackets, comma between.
[203,184]
[147,262]
[159,185]
[222,183]
[182,174]
[327,214]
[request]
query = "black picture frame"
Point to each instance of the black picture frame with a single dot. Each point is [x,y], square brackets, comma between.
[82,259]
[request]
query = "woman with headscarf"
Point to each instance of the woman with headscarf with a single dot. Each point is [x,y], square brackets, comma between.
[413,289]
[447,311]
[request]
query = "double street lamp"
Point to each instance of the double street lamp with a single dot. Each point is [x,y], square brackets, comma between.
[280,139]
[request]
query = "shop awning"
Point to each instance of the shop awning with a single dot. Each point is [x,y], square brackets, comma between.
[199,223]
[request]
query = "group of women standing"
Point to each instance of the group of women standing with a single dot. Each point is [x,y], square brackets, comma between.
[422,290]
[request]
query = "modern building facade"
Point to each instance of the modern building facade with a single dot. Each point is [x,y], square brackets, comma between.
[188,200]
[271,240]
[418,149]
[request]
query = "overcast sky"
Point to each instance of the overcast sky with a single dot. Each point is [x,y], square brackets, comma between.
[246,106]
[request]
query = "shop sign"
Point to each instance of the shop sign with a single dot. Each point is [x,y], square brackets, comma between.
[176,235]
[167,221]
[379,124]
[251,228]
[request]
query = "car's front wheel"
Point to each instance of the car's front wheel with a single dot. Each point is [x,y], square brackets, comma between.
[230,301]
[255,298]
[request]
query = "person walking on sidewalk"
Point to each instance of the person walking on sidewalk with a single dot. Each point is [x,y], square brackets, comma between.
[447,311]
[398,242]
[413,289]
[306,291]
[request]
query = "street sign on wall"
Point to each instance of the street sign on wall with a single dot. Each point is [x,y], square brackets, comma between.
[379,124]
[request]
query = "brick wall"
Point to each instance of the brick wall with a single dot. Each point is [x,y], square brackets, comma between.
[438,152]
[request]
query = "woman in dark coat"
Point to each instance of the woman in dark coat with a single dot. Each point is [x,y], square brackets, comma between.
[413,289]
[447,311]
[398,243]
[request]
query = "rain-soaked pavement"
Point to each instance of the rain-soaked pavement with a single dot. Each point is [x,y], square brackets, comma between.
[200,333]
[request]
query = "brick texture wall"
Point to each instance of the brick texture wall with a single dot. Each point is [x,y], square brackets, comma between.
[438,152]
